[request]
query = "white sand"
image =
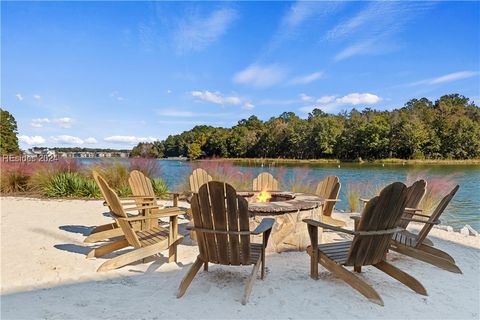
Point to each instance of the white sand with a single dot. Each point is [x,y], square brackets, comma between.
[45,275]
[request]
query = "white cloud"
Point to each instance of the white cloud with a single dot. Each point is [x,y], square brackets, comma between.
[91,140]
[19,97]
[260,76]
[248,106]
[325,99]
[61,122]
[373,28]
[305,97]
[216,97]
[116,95]
[32,140]
[169,91]
[297,15]
[66,139]
[129,139]
[196,32]
[332,103]
[38,123]
[305,79]
[358,98]
[36,97]
[455,76]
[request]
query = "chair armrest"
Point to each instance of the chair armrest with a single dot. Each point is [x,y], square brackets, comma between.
[364,199]
[265,225]
[412,210]
[141,208]
[355,216]
[421,215]
[421,221]
[327,226]
[169,212]
[331,200]
[138,218]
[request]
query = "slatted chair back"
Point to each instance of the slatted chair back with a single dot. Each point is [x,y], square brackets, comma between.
[221,223]
[116,210]
[380,218]
[140,184]
[265,182]
[435,216]
[198,178]
[415,194]
[329,188]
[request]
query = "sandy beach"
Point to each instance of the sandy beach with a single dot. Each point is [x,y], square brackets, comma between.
[45,275]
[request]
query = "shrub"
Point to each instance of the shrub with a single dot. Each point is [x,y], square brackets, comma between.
[64,184]
[353,193]
[147,166]
[437,188]
[115,173]
[14,181]
[15,176]
[160,187]
[90,189]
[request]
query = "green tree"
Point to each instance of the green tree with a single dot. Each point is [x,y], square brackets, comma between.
[194,151]
[8,133]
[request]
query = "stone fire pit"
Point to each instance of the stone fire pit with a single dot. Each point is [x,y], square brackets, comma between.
[288,209]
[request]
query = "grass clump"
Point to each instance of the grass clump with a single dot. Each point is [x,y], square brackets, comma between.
[71,184]
[160,187]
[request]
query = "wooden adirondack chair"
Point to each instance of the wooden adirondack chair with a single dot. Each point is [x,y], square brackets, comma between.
[111,230]
[147,242]
[198,177]
[328,189]
[143,193]
[142,190]
[222,227]
[415,194]
[265,182]
[369,246]
[415,246]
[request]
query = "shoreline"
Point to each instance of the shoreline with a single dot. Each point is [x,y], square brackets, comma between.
[389,161]
[19,197]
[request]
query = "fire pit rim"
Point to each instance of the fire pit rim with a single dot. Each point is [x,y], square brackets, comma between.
[298,202]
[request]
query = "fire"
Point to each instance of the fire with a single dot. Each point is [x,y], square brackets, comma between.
[264,196]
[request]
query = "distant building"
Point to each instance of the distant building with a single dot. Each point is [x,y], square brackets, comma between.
[37,151]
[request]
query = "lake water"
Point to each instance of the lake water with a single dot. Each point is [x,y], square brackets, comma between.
[464,208]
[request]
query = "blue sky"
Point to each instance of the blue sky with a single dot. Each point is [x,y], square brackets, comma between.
[111,74]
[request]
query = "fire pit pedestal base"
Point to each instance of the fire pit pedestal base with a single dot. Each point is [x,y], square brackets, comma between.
[289,232]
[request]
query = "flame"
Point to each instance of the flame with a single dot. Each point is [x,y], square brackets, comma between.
[264,196]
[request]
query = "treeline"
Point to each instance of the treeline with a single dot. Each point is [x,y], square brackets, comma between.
[79,149]
[448,128]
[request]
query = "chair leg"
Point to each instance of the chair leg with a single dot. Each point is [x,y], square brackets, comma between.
[357,269]
[205,266]
[187,279]
[401,276]
[250,281]
[351,279]
[436,252]
[107,248]
[172,237]
[132,256]
[426,257]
